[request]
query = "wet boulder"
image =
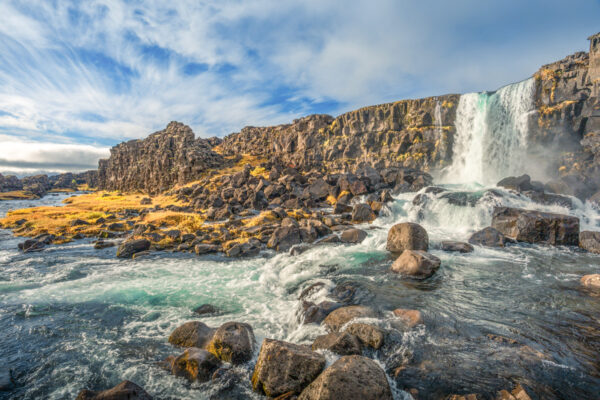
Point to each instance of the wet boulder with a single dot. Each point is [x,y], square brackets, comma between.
[206,309]
[103,244]
[410,318]
[536,227]
[353,235]
[518,183]
[205,248]
[125,390]
[284,367]
[591,281]
[350,378]
[362,213]
[284,237]
[243,249]
[489,237]
[368,335]
[407,236]
[316,313]
[338,318]
[129,248]
[417,264]
[461,247]
[590,241]
[194,364]
[342,343]
[31,245]
[192,334]
[518,393]
[233,342]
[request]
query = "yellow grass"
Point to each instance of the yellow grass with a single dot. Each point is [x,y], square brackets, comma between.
[87,207]
[185,222]
[261,219]
[17,195]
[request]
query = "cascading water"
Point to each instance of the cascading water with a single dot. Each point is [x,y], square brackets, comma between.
[491,134]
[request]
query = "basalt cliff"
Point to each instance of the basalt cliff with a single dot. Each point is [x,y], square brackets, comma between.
[563,129]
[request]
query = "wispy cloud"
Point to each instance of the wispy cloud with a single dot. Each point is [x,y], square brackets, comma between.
[102,71]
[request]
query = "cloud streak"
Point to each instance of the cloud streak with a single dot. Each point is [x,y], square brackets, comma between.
[102,71]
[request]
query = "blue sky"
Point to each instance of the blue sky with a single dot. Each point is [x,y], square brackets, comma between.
[77,77]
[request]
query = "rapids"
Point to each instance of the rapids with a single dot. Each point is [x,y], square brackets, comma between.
[75,317]
[72,317]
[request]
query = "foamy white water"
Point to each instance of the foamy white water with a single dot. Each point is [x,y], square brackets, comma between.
[491,134]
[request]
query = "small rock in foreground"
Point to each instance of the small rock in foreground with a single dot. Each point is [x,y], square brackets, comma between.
[284,367]
[350,378]
[462,247]
[125,390]
[416,264]
[192,334]
[590,241]
[591,281]
[233,342]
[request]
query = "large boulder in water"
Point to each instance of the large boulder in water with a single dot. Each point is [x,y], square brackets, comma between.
[489,237]
[407,236]
[416,264]
[192,334]
[350,378]
[536,227]
[362,212]
[342,343]
[462,247]
[284,237]
[129,248]
[368,335]
[285,367]
[338,318]
[233,342]
[125,390]
[518,183]
[590,241]
[194,364]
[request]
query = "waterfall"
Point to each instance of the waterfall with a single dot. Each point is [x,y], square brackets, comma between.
[491,134]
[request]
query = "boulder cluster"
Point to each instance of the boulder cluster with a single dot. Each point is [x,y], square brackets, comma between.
[270,206]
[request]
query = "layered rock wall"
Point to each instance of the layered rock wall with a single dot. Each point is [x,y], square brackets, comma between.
[409,133]
[164,159]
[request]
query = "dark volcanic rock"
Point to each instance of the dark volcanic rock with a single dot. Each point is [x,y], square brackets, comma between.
[192,334]
[342,343]
[129,248]
[315,313]
[206,309]
[590,241]
[338,318]
[518,183]
[350,378]
[233,342]
[125,390]
[536,227]
[194,364]
[362,213]
[353,235]
[416,264]
[407,236]
[155,164]
[368,335]
[489,237]
[285,367]
[284,237]
[450,245]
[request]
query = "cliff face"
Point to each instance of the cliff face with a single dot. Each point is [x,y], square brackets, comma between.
[568,120]
[409,133]
[165,158]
